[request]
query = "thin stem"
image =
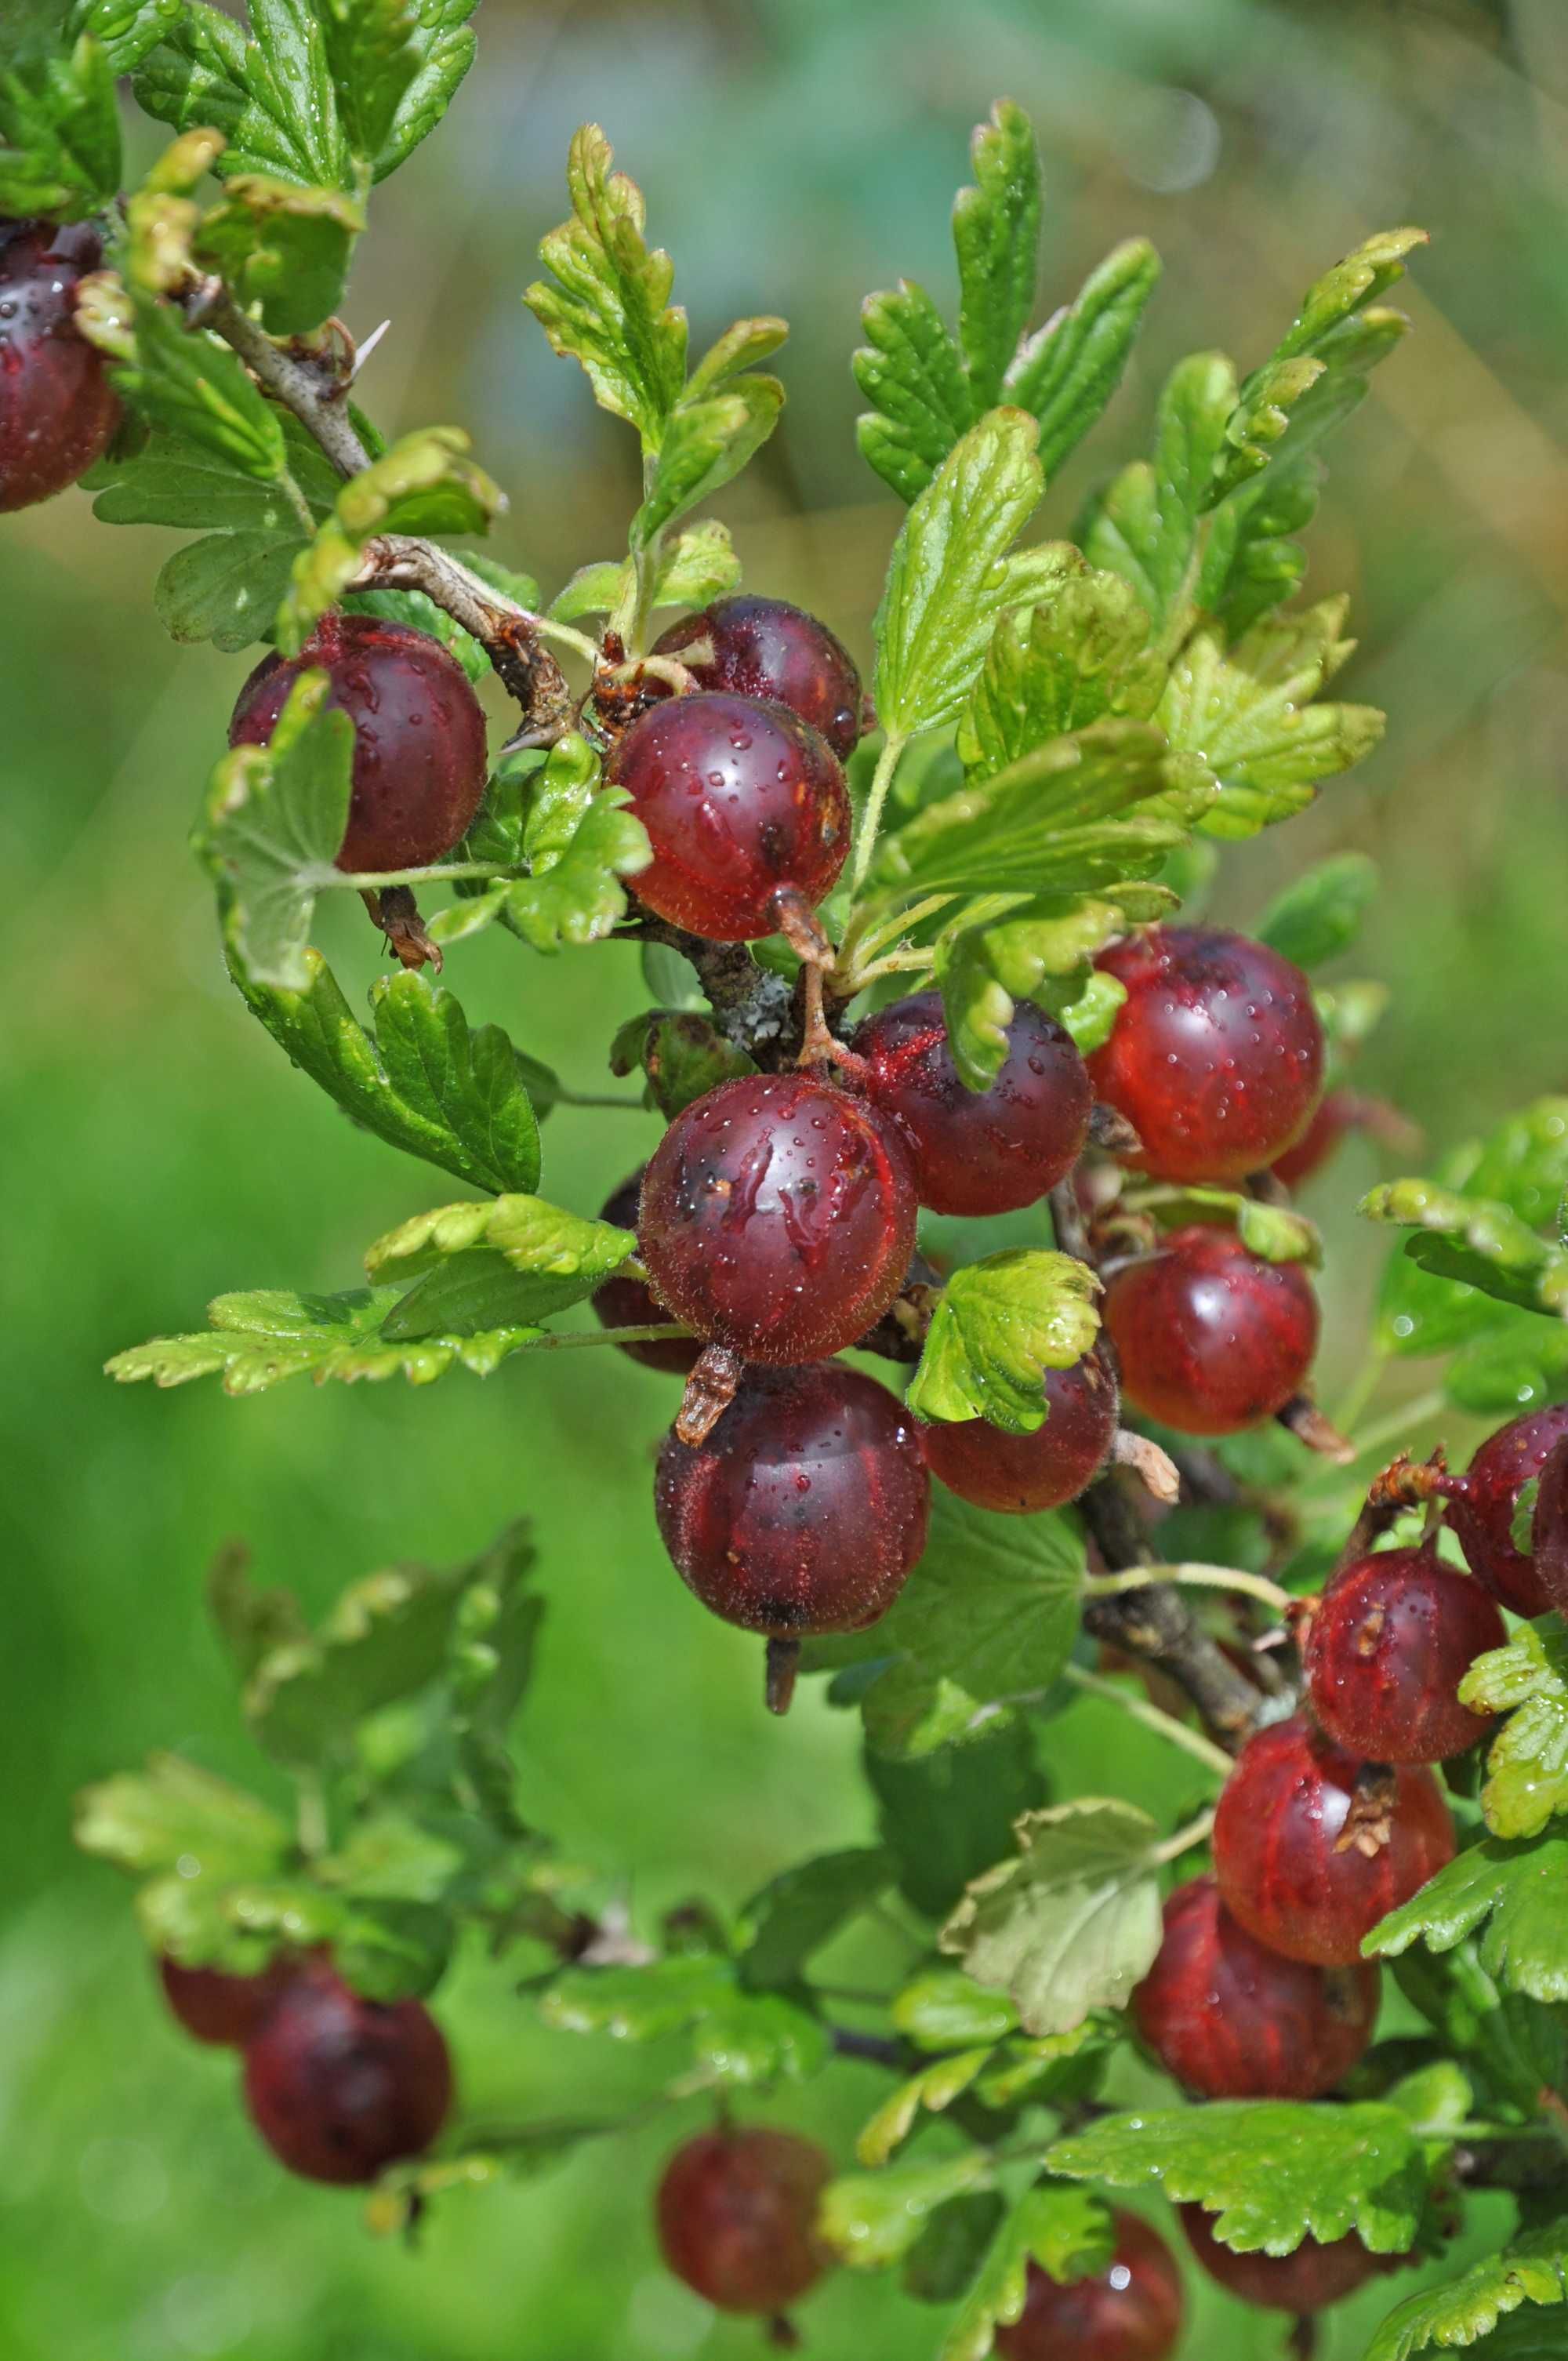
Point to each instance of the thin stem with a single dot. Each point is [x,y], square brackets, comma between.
[1196,1832]
[870,818]
[589,1099]
[1191,1742]
[1193,1576]
[868,945]
[1362,1388]
[654,1333]
[374,881]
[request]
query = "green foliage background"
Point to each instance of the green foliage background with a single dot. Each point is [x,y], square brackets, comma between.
[157,1149]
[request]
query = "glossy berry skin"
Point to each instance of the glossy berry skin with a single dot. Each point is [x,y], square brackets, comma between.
[420,760]
[778,1217]
[1482,1513]
[766,648]
[805,1509]
[1210,1337]
[1389,1644]
[1130,2311]
[736,2215]
[978,1152]
[1294,1865]
[1310,2281]
[57,407]
[1232,2020]
[1019,1475]
[1337,1113]
[739,798]
[340,2087]
[221,2009]
[626,1303]
[1216,1055]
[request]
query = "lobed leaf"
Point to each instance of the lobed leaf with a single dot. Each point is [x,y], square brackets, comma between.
[1144,524]
[910,371]
[999,1325]
[60,129]
[1080,656]
[1063,2231]
[281,248]
[737,2037]
[945,1816]
[1515,1896]
[1532,2269]
[871,2220]
[1527,1765]
[1478,1240]
[996,228]
[1319,915]
[1067,372]
[274,820]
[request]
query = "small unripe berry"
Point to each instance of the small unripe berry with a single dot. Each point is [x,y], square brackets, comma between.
[978,1152]
[57,408]
[766,648]
[1019,1474]
[1482,1511]
[736,2215]
[218,2008]
[1211,1338]
[1389,1644]
[1309,2280]
[420,761]
[340,2087]
[1230,2019]
[1129,2311]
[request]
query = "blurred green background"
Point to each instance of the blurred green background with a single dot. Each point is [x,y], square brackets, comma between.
[795,154]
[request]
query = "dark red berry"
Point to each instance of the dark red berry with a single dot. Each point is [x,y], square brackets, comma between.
[1021,1473]
[1312,1848]
[978,1152]
[764,647]
[626,1303]
[737,2213]
[1306,2281]
[1129,2311]
[1336,1114]
[778,1217]
[806,1506]
[1230,2019]
[225,2010]
[57,408]
[1482,1512]
[1211,1338]
[1216,1056]
[420,761]
[1389,1644]
[340,2087]
[739,798]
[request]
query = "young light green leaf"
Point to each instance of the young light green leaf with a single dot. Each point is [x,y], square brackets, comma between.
[1319,915]
[280,248]
[274,820]
[152,1820]
[871,2220]
[1525,1162]
[540,1241]
[944,2009]
[1532,2269]
[1077,658]
[1250,563]
[186,382]
[1145,525]
[1064,2231]
[1035,951]
[796,1913]
[929,2092]
[996,229]
[698,565]
[272,96]
[59,131]
[1526,1768]
[1478,1240]
[1515,1893]
[1067,372]
[999,1325]
[1273,2172]
[125,29]
[910,372]
[424,483]
[1275,1232]
[736,2037]
[703,444]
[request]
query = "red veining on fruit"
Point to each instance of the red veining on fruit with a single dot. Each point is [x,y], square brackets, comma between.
[805,1509]
[1389,1644]
[627,1303]
[778,1217]
[340,2087]
[420,761]
[1230,2019]
[1309,2280]
[978,1152]
[739,798]
[737,2214]
[1211,1338]
[1312,1848]
[1129,2311]
[1216,1056]
[1482,1511]
[1021,1474]
[225,2010]
[764,647]
[57,407]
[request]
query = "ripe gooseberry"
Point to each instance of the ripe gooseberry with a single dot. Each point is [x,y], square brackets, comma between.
[1019,1475]
[221,2009]
[1312,1848]
[1216,1055]
[1129,2311]
[1230,2019]
[1306,2281]
[778,1217]
[804,1508]
[765,647]
[420,761]
[739,799]
[1389,1644]
[57,407]
[1211,1338]
[736,2215]
[627,1303]
[1480,1511]
[339,2086]
[978,1152]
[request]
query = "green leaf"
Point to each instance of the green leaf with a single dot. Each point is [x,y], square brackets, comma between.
[580,839]
[1516,1363]
[1066,2232]
[1250,563]
[560,1257]
[446,48]
[280,248]
[1145,525]
[1038,951]
[910,372]
[125,29]
[703,444]
[999,1325]
[948,580]
[424,483]
[799,1911]
[1319,916]
[872,2219]
[1078,657]
[185,380]
[1532,2269]
[682,1054]
[275,817]
[610,308]
[930,2092]
[1518,1893]
[173,1813]
[945,2009]
[1275,1232]
[736,2038]
[1527,1767]
[272,97]
[1067,372]
[59,132]
[945,1817]
[1273,2172]
[945,2257]
[1478,1240]
[700,564]
[996,230]
[1072,1923]
[1525,1162]
[1516,2047]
